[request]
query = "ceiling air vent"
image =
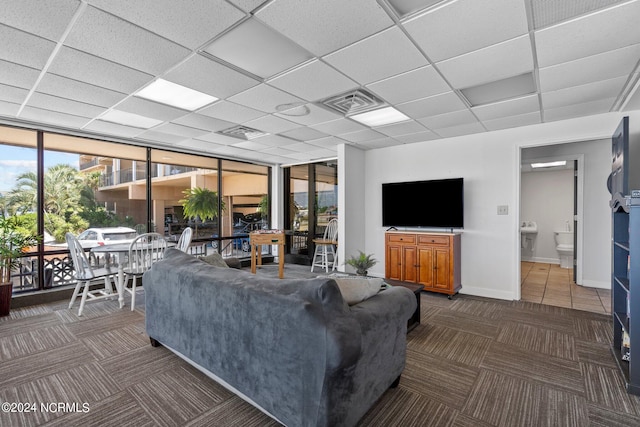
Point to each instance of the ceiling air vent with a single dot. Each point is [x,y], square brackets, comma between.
[242,132]
[354,102]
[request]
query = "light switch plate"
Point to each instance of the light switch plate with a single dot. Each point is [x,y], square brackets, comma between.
[503,209]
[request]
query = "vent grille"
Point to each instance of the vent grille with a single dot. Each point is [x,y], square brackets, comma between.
[242,132]
[354,102]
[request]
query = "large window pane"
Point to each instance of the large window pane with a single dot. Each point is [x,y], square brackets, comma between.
[18,194]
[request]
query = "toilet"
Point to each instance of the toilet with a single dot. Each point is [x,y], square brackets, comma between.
[564,246]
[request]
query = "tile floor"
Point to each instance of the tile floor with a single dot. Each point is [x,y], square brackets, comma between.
[551,285]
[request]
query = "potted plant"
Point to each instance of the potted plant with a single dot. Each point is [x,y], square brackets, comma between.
[362,263]
[13,240]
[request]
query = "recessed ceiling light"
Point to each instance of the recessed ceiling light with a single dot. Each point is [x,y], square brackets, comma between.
[500,90]
[129,119]
[549,164]
[383,116]
[176,95]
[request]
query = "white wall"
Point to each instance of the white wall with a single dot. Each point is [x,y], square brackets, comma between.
[489,163]
[351,201]
[546,197]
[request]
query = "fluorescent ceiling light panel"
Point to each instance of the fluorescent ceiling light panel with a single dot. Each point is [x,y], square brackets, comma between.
[407,7]
[549,164]
[383,116]
[129,119]
[258,49]
[500,90]
[176,95]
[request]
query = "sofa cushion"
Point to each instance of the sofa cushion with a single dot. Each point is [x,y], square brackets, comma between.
[357,289]
[215,259]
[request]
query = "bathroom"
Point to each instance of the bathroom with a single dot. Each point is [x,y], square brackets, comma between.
[547,209]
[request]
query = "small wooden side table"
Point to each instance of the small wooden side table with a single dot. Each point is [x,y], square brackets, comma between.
[257,239]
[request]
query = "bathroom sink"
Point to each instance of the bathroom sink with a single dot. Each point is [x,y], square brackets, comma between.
[528,227]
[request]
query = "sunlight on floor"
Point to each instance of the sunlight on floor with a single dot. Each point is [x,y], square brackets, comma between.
[551,285]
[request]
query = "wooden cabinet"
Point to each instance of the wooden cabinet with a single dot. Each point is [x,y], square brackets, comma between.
[430,259]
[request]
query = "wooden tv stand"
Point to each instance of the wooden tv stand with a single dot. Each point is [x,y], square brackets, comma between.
[430,259]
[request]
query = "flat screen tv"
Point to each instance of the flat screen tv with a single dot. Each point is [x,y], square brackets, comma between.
[434,203]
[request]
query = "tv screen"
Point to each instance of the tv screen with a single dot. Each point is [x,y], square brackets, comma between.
[434,203]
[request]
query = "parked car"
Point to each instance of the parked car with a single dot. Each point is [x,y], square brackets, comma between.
[93,237]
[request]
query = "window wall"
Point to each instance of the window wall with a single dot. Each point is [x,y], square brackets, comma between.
[312,201]
[59,183]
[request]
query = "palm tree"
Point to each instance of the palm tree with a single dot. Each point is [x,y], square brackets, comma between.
[201,203]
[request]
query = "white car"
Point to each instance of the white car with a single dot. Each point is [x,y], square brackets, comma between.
[93,237]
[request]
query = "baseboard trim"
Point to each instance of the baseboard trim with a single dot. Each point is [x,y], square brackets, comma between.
[595,284]
[487,293]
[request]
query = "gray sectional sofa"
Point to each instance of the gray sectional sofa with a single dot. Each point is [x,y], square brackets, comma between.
[291,347]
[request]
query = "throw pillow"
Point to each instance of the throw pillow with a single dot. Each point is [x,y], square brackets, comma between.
[357,289]
[215,259]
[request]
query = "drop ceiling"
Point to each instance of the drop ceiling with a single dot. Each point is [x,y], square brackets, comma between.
[449,66]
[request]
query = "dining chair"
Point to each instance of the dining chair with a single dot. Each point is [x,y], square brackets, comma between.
[85,274]
[325,254]
[144,250]
[185,240]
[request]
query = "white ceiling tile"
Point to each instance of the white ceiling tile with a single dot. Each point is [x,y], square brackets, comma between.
[46,19]
[379,143]
[460,130]
[54,103]
[62,87]
[23,48]
[179,130]
[362,135]
[108,128]
[53,117]
[383,55]
[496,62]
[323,27]
[272,124]
[316,115]
[337,127]
[111,39]
[255,47]
[264,98]
[157,136]
[313,81]
[591,34]
[584,93]
[403,128]
[578,110]
[17,75]
[250,145]
[218,138]
[196,73]
[247,5]
[511,107]
[8,109]
[603,66]
[200,121]
[13,94]
[327,142]
[190,23]
[467,25]
[304,134]
[420,83]
[455,118]
[198,145]
[322,154]
[231,112]
[277,151]
[434,105]
[87,68]
[150,109]
[513,121]
[416,137]
[302,147]
[275,140]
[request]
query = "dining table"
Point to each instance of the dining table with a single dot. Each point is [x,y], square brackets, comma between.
[121,251]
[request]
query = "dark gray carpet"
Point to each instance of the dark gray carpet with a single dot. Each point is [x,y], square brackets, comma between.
[472,362]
